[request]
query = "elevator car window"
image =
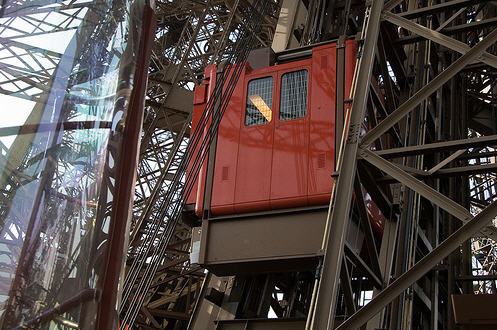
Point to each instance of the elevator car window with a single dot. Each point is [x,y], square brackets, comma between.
[293,99]
[259,101]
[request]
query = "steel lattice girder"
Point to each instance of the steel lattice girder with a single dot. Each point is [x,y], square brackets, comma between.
[341,207]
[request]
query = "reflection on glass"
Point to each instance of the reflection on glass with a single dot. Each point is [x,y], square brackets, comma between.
[57,174]
[259,97]
[261,106]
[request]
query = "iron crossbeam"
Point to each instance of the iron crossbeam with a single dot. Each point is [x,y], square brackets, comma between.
[438,147]
[429,89]
[420,268]
[438,37]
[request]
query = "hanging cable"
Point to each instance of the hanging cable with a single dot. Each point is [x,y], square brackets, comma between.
[148,258]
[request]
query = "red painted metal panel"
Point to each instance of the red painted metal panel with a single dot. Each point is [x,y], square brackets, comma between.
[210,76]
[198,109]
[283,163]
[322,124]
[290,151]
[199,95]
[223,189]
[253,173]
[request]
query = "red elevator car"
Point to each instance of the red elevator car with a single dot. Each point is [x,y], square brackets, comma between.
[276,140]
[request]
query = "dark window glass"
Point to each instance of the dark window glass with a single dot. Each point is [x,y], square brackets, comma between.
[293,99]
[259,101]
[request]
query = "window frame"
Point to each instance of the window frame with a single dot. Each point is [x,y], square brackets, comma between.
[280,89]
[272,105]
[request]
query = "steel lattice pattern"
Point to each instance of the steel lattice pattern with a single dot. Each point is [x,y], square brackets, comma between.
[191,35]
[194,34]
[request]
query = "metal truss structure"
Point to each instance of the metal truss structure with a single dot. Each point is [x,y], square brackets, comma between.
[428,158]
[80,67]
[423,138]
[191,35]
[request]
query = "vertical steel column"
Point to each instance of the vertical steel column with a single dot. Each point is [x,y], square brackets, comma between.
[435,234]
[423,266]
[126,178]
[328,286]
[452,259]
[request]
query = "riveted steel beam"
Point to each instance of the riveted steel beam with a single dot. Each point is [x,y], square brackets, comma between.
[438,37]
[328,286]
[420,268]
[421,188]
[429,89]
[440,7]
[438,147]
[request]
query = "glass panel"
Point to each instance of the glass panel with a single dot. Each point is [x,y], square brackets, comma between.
[66,76]
[259,101]
[293,99]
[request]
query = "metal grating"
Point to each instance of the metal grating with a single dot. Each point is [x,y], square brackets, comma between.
[259,101]
[293,100]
